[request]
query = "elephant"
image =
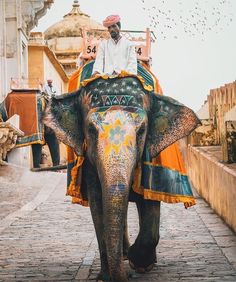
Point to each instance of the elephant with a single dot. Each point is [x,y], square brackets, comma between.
[50,139]
[31,123]
[119,120]
[53,145]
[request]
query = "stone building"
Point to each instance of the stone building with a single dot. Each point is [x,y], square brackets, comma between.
[43,64]
[218,116]
[17,19]
[222,110]
[204,135]
[30,59]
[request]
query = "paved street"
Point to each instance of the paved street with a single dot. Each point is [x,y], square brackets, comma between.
[43,237]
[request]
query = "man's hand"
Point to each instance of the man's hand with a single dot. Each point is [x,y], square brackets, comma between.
[95,73]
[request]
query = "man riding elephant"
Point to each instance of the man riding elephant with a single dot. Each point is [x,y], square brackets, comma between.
[121,132]
[117,53]
[124,127]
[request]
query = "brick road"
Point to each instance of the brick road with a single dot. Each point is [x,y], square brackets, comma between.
[43,237]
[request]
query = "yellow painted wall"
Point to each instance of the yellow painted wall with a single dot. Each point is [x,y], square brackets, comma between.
[36,63]
[51,72]
[42,67]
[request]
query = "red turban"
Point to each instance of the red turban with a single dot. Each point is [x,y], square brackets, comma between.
[110,20]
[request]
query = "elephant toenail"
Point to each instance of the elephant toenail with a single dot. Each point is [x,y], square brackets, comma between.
[140,270]
[149,268]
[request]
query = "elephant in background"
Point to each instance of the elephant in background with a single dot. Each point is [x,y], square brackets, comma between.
[52,142]
[118,119]
[53,145]
[29,106]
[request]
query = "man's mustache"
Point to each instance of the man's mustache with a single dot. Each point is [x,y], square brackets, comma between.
[113,33]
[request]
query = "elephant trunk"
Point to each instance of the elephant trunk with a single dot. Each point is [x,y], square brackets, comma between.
[115,162]
[115,210]
[116,183]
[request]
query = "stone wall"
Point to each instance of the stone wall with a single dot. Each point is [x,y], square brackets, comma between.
[214,181]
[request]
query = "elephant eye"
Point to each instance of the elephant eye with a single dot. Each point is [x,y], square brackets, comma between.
[141,130]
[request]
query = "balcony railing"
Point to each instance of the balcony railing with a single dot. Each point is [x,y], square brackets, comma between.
[142,41]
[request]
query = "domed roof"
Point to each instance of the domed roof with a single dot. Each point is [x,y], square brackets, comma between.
[72,24]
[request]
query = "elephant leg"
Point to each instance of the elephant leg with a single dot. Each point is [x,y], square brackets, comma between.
[126,243]
[95,203]
[36,152]
[115,204]
[142,254]
[53,146]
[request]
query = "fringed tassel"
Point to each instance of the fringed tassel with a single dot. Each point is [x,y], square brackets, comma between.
[76,200]
[190,204]
[74,187]
[188,201]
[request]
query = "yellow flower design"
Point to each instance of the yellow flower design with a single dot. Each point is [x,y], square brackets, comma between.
[116,137]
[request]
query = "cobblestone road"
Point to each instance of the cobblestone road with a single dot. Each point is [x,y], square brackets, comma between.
[43,237]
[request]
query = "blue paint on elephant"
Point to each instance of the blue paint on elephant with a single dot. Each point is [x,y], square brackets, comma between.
[117,188]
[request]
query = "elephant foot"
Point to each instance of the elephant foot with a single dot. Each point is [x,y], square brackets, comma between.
[142,259]
[125,256]
[103,277]
[126,246]
[141,269]
[125,253]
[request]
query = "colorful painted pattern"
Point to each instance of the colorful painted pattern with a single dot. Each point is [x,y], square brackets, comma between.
[115,131]
[162,178]
[127,91]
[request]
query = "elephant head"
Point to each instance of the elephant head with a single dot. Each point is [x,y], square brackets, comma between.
[160,120]
[117,118]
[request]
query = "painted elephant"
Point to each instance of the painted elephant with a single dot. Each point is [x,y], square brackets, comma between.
[29,105]
[118,119]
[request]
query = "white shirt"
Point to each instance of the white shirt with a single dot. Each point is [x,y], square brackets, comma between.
[116,57]
[49,90]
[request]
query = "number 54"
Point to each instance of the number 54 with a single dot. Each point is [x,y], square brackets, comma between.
[91,49]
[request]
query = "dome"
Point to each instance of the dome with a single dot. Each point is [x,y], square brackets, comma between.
[72,24]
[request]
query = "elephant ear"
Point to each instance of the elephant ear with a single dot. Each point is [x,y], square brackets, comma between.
[169,121]
[63,116]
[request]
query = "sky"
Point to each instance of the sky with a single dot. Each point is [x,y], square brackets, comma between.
[195,46]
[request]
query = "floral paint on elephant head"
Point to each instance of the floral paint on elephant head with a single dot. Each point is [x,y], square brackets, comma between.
[117,133]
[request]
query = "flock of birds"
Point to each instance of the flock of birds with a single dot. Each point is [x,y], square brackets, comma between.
[193,17]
